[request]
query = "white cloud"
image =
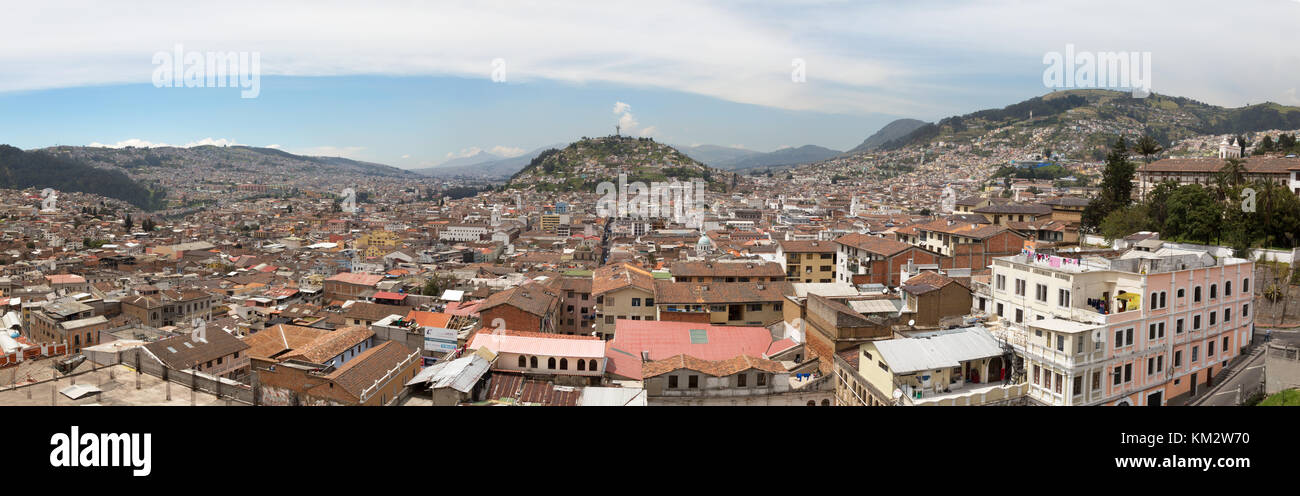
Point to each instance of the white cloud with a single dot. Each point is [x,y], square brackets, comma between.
[464,152]
[139,143]
[861,56]
[627,123]
[406,156]
[507,151]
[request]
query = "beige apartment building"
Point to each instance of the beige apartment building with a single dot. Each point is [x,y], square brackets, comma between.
[622,291]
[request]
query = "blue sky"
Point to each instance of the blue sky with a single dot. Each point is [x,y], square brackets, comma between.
[410,84]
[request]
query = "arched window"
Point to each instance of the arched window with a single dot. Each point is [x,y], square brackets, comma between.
[1227,288]
[812,402]
[826,402]
[550,363]
[523,362]
[564,364]
[582,365]
[1214,291]
[532,362]
[591,365]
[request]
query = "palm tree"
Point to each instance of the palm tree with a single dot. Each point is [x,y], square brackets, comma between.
[1233,171]
[1148,147]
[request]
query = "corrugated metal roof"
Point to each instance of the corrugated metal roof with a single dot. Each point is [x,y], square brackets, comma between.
[945,350]
[459,374]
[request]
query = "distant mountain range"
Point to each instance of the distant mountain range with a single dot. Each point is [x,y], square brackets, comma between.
[484,165]
[731,158]
[269,161]
[890,132]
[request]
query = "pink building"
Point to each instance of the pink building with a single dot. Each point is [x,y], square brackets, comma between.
[1140,328]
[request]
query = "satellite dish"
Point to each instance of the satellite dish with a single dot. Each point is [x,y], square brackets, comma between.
[911,322]
[898,393]
[884,291]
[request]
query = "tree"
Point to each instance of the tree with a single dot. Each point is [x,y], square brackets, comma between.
[1147,147]
[128,222]
[1243,143]
[1157,203]
[1124,221]
[1116,186]
[1265,145]
[1233,172]
[1194,214]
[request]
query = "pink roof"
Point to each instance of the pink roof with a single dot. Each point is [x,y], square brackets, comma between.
[531,345]
[668,339]
[389,295]
[65,279]
[357,278]
[779,346]
[463,308]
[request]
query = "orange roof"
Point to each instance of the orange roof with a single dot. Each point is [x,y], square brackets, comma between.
[429,319]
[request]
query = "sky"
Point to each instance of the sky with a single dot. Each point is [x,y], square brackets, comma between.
[414,84]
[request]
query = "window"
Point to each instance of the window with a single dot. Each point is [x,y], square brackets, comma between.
[1155,300]
[532,362]
[582,364]
[1160,363]
[1040,292]
[672,381]
[523,362]
[1002,283]
[1196,294]
[1096,380]
[1128,372]
[649,302]
[1035,374]
[1020,287]
[1245,310]
[564,364]
[755,307]
[550,363]
[1020,315]
[1182,293]
[1195,353]
[1128,334]
[1196,322]
[1163,296]
[1227,288]
[1227,315]
[1245,285]
[693,382]
[1213,315]
[740,379]
[1000,312]
[636,302]
[1118,377]
[1058,383]
[1151,365]
[1063,298]
[1178,358]
[1214,291]
[1119,339]
[591,365]
[1078,385]
[1209,349]
[762,379]
[1178,326]
[1060,342]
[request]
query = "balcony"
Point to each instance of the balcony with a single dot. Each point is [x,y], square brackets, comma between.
[970,395]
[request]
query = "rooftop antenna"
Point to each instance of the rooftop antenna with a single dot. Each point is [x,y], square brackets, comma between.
[618,130]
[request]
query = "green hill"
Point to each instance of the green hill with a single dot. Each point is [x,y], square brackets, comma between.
[38,169]
[585,163]
[1076,116]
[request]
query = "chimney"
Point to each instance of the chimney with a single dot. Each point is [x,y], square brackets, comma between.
[645,356]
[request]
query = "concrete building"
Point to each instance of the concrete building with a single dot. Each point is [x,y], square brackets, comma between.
[1141,328]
